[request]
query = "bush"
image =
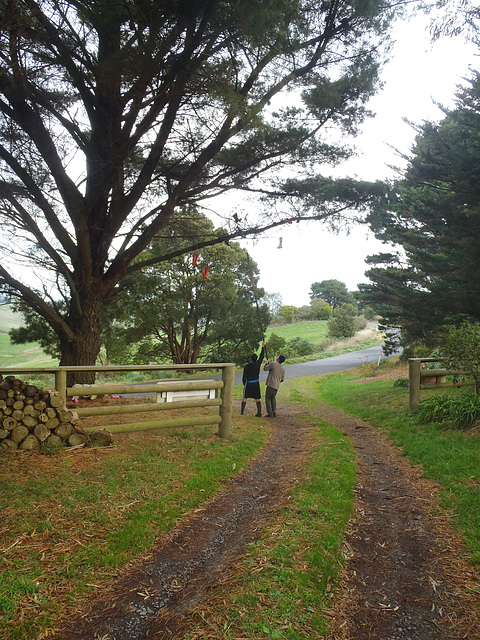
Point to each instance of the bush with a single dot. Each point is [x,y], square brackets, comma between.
[460,412]
[276,344]
[367,369]
[359,323]
[299,347]
[461,347]
[342,325]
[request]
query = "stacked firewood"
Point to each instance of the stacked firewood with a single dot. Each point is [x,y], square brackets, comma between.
[30,416]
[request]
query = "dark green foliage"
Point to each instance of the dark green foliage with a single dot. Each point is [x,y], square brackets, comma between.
[459,412]
[320,310]
[288,314]
[334,292]
[176,314]
[461,348]
[401,382]
[342,325]
[433,216]
[297,347]
[275,344]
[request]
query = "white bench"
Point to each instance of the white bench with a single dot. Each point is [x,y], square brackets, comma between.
[179,396]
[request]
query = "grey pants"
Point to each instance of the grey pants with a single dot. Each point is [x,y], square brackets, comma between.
[271,401]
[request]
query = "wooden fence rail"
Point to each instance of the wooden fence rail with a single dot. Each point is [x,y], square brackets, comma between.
[421,378]
[224,402]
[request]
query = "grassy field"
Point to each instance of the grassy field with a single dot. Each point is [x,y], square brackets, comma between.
[316,331]
[8,319]
[23,355]
[19,355]
[313,331]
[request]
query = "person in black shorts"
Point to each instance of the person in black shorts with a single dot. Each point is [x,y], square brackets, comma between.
[251,382]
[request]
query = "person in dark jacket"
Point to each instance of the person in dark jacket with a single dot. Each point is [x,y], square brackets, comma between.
[251,382]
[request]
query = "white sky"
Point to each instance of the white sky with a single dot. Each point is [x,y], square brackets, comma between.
[418,74]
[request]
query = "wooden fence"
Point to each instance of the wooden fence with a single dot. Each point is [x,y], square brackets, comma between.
[223,402]
[422,378]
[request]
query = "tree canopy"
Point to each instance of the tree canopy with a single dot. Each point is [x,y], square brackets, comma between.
[115,114]
[194,307]
[431,219]
[334,292]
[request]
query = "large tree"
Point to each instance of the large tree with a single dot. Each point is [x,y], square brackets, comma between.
[432,220]
[114,114]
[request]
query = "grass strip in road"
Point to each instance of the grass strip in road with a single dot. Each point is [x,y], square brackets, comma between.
[284,585]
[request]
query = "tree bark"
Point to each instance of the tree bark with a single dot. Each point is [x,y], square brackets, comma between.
[84,348]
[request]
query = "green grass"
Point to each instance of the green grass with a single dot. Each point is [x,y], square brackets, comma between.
[23,355]
[71,520]
[8,318]
[313,331]
[19,355]
[448,456]
[316,331]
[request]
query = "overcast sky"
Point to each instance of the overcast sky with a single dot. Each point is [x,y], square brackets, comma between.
[418,75]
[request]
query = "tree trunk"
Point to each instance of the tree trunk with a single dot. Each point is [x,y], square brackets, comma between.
[84,348]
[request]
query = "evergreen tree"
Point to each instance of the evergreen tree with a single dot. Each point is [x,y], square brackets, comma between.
[432,219]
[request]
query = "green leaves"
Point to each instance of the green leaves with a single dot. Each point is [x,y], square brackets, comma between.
[432,217]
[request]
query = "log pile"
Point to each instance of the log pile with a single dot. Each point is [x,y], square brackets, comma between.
[30,416]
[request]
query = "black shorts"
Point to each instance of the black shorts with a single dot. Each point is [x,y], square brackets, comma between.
[252,390]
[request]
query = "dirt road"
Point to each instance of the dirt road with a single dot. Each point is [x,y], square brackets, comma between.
[403,580]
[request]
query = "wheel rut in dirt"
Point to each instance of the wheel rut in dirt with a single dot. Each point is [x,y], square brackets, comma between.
[151,600]
[404,579]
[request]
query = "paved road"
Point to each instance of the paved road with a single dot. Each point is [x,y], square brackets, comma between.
[327,365]
[315,367]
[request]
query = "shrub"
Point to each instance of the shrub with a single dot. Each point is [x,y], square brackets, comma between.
[300,347]
[461,348]
[460,412]
[276,344]
[342,325]
[367,369]
[359,323]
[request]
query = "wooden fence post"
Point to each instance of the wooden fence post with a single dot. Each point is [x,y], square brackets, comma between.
[228,378]
[414,365]
[61,384]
